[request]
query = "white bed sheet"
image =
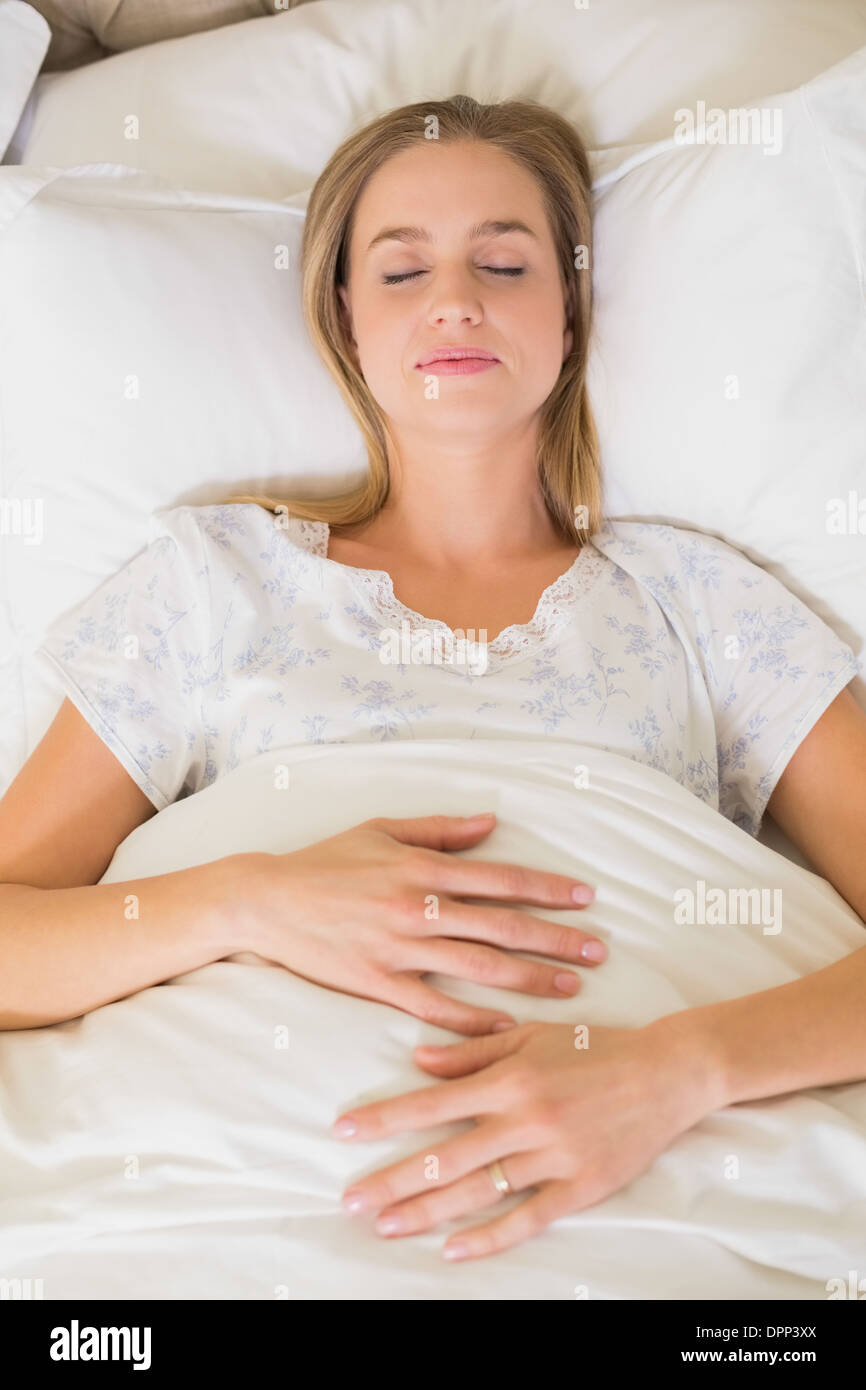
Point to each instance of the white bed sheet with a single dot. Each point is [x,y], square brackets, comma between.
[239,1185]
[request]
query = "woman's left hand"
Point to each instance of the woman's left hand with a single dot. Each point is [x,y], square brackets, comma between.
[576,1111]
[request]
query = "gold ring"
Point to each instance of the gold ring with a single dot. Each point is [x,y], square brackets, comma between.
[497,1173]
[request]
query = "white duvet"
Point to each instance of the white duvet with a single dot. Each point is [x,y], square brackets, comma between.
[168,1145]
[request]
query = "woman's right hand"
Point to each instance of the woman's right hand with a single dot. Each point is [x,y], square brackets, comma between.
[370,910]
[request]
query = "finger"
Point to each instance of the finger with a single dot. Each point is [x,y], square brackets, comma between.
[463,1058]
[454,1159]
[474,1192]
[424,1002]
[485,1093]
[492,967]
[436,832]
[554,1199]
[516,931]
[481,878]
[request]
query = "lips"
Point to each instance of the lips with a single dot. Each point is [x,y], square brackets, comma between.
[456,354]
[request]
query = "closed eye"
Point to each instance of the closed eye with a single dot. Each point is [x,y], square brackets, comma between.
[494,269]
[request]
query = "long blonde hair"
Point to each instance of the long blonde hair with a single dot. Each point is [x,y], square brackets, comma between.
[547,146]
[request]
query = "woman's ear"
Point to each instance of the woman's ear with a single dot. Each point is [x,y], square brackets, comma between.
[346,318]
[346,310]
[568,334]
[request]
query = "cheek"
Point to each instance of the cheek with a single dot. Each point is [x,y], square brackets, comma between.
[535,328]
[380,333]
[385,361]
[539,356]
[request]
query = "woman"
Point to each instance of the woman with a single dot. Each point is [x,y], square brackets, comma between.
[446,232]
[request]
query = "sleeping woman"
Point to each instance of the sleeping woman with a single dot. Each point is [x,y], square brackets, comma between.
[447,286]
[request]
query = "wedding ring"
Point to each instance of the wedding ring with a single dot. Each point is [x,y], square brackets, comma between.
[497,1173]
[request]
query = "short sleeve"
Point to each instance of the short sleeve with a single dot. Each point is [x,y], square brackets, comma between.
[771,667]
[132,658]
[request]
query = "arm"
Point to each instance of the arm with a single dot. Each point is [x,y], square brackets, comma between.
[810,1032]
[66,951]
[67,942]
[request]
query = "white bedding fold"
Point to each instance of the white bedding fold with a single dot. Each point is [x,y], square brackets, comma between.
[166,1147]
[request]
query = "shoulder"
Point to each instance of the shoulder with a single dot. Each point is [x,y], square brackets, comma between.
[216,525]
[680,559]
[237,526]
[651,539]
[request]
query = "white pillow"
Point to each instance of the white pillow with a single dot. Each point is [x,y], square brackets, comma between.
[114,282]
[729,367]
[259,107]
[24,40]
[152,350]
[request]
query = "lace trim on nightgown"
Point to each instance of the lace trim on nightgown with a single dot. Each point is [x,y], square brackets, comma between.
[555,606]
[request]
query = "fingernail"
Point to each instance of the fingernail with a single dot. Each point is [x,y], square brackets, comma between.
[455,1251]
[566,983]
[594,950]
[582,893]
[344,1129]
[389,1225]
[501,1025]
[354,1200]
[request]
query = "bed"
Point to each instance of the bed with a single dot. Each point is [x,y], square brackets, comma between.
[137,374]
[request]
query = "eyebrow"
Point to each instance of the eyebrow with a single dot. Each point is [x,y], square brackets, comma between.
[495,227]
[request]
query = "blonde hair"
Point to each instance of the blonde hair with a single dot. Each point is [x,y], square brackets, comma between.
[547,146]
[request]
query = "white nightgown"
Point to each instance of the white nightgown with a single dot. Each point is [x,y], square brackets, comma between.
[232,633]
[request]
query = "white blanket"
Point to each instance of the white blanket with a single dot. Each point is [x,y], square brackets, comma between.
[166,1146]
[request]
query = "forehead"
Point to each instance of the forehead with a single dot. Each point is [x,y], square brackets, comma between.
[447,188]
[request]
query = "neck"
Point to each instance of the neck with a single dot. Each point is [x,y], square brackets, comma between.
[465,508]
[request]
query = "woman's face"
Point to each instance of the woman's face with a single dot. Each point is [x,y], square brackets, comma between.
[457,295]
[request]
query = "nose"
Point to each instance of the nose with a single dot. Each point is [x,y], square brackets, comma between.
[455,299]
[455,311]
